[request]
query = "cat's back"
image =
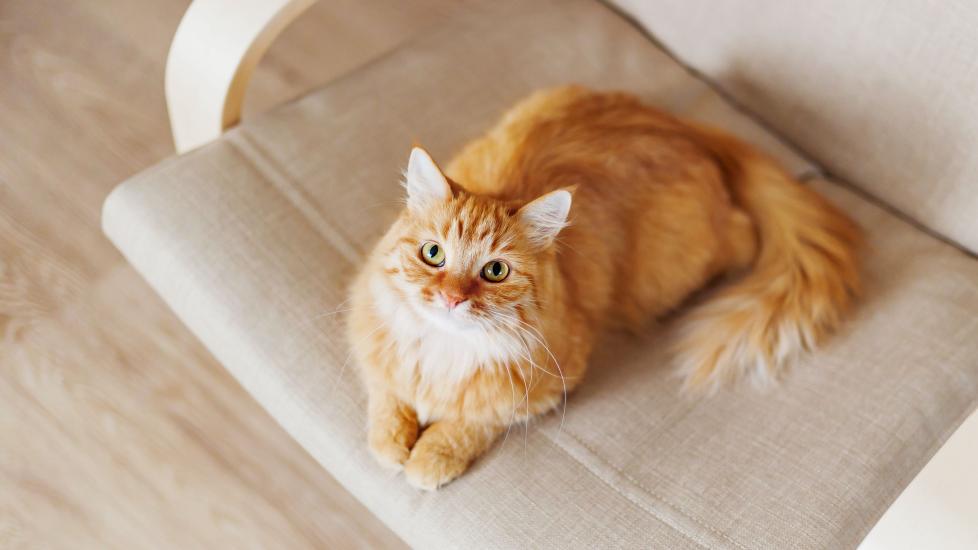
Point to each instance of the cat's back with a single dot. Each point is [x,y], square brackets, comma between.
[574,136]
[639,174]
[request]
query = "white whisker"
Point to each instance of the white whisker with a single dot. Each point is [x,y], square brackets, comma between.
[512,387]
[339,375]
[520,324]
[330,313]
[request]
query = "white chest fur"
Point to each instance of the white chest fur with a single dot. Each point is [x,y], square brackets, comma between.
[438,352]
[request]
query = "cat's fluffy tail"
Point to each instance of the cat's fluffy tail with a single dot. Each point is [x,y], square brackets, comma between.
[803,280]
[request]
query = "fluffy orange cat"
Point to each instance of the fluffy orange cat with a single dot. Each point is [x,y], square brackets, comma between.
[581,211]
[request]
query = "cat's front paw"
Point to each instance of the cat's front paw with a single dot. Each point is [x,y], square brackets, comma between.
[430,467]
[389,453]
[391,445]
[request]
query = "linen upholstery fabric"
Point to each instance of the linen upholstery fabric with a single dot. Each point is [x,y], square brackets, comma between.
[880,93]
[253,239]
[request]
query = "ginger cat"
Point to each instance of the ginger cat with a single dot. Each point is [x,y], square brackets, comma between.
[579,212]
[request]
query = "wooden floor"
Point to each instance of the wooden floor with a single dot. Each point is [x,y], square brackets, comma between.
[117,429]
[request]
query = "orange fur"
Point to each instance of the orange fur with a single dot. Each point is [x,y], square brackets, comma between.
[660,207]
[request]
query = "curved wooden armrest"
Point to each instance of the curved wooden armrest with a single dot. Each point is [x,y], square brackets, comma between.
[216,47]
[939,508]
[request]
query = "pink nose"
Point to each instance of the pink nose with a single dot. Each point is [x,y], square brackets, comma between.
[452,299]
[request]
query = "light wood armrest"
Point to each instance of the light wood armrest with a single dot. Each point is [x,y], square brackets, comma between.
[214,51]
[939,509]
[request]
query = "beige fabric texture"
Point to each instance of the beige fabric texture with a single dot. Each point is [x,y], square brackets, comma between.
[253,239]
[880,93]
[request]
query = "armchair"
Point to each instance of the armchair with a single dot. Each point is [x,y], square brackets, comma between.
[252,233]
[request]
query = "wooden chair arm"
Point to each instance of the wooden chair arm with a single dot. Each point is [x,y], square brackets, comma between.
[214,51]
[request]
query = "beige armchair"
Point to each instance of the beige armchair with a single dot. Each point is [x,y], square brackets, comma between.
[252,233]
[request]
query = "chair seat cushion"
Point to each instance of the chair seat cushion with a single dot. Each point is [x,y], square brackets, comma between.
[253,239]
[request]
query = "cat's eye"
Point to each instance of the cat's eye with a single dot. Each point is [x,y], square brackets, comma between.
[495,271]
[433,254]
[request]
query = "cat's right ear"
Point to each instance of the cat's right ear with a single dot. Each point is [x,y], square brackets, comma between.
[424,181]
[545,216]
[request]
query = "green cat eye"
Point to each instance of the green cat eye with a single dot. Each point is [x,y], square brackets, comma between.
[495,271]
[433,254]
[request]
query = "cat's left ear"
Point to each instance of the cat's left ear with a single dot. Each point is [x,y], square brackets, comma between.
[424,181]
[545,216]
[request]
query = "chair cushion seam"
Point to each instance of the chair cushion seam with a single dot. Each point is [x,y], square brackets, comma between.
[269,169]
[637,503]
[637,484]
[896,213]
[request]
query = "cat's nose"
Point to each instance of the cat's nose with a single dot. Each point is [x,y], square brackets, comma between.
[452,299]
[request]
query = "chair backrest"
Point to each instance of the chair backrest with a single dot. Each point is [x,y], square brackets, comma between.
[883,94]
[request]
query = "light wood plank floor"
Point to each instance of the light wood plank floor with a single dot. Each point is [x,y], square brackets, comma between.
[117,429]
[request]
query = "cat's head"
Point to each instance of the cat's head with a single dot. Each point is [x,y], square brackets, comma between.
[469,262]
